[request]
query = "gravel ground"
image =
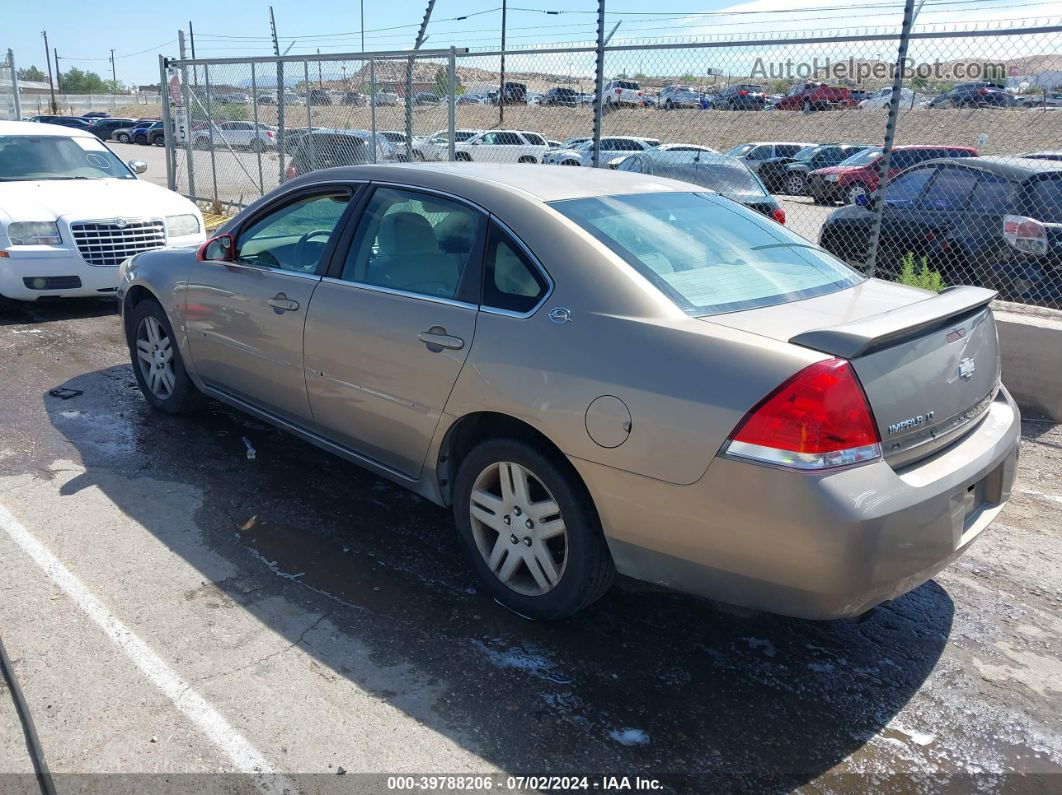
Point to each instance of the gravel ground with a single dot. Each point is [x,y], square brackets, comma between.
[325,618]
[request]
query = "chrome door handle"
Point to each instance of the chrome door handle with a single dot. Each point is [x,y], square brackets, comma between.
[436,339]
[281,303]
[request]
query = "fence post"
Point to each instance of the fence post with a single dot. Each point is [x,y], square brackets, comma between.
[309,114]
[372,105]
[167,126]
[189,154]
[599,81]
[14,84]
[451,115]
[870,265]
[409,99]
[210,128]
[281,145]
[258,149]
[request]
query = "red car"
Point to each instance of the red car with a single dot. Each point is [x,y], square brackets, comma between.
[815,96]
[858,175]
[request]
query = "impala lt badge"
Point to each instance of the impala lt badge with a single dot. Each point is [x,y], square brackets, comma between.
[911,422]
[966,368]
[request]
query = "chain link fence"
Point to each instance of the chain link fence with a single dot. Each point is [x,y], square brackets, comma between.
[793,126]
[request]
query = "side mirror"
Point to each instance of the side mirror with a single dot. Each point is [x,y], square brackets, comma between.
[138,166]
[220,249]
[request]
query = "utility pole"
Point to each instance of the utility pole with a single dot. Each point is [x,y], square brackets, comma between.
[409,71]
[191,38]
[363,25]
[114,74]
[501,88]
[48,61]
[58,73]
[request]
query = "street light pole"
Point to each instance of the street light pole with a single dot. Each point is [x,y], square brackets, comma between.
[501,88]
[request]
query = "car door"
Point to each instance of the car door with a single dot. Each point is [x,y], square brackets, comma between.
[902,230]
[947,222]
[245,317]
[389,329]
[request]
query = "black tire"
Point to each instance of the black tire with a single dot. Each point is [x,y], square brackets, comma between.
[588,571]
[669,105]
[464,157]
[185,396]
[570,163]
[122,138]
[527,159]
[808,107]
[852,190]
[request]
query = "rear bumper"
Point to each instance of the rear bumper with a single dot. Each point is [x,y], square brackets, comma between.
[818,546]
[15,269]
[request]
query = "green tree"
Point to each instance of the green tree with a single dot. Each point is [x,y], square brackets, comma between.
[32,73]
[75,81]
[442,84]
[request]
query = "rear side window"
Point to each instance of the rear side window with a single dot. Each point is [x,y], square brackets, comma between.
[950,190]
[511,281]
[1044,200]
[992,194]
[707,254]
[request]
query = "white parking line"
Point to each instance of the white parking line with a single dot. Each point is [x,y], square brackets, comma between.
[211,722]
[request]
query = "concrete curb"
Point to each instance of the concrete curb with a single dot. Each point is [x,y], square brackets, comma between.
[1030,342]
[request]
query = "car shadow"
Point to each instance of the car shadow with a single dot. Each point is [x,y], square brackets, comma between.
[646,682]
[17,313]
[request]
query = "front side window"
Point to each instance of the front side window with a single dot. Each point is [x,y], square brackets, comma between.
[294,237]
[511,281]
[706,253]
[414,242]
[54,157]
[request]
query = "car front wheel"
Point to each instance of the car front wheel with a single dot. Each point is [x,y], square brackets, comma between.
[122,138]
[529,530]
[856,190]
[157,362]
[795,185]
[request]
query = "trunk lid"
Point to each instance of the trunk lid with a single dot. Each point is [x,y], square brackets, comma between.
[929,364]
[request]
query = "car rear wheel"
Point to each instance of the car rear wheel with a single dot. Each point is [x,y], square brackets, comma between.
[527,159]
[569,162]
[855,190]
[795,185]
[157,363]
[530,530]
[808,106]
[463,156]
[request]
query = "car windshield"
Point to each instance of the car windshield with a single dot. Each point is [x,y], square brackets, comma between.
[862,158]
[806,153]
[36,157]
[708,254]
[738,151]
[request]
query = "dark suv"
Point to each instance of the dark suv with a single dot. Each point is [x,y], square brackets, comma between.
[743,97]
[789,173]
[973,95]
[993,221]
[104,128]
[565,97]
[515,94]
[327,150]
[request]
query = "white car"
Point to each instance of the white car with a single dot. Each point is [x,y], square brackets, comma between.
[623,94]
[611,146]
[236,135]
[71,211]
[399,145]
[880,99]
[436,145]
[503,146]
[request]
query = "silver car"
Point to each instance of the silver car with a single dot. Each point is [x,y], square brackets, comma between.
[619,373]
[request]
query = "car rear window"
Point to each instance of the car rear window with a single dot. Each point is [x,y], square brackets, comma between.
[706,253]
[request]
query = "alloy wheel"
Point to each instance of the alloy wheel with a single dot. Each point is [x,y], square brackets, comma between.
[795,185]
[855,191]
[154,350]
[518,528]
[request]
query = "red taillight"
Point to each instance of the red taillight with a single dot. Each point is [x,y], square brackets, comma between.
[269,133]
[743,93]
[619,90]
[1025,234]
[778,214]
[817,419]
[291,173]
[982,91]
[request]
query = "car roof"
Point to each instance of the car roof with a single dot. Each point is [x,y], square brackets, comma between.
[1009,167]
[41,128]
[545,183]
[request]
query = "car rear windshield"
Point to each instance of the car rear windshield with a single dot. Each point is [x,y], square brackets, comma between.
[706,253]
[37,157]
[862,158]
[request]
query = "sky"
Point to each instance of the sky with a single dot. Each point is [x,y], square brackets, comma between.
[84,33]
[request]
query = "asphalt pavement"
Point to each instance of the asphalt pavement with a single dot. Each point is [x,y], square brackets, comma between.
[177,611]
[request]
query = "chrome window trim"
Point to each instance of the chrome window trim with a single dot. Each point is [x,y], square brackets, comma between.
[375,288]
[267,269]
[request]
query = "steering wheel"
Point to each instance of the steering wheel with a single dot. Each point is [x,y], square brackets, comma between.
[296,254]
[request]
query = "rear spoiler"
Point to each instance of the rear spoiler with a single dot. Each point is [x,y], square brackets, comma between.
[849,340]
